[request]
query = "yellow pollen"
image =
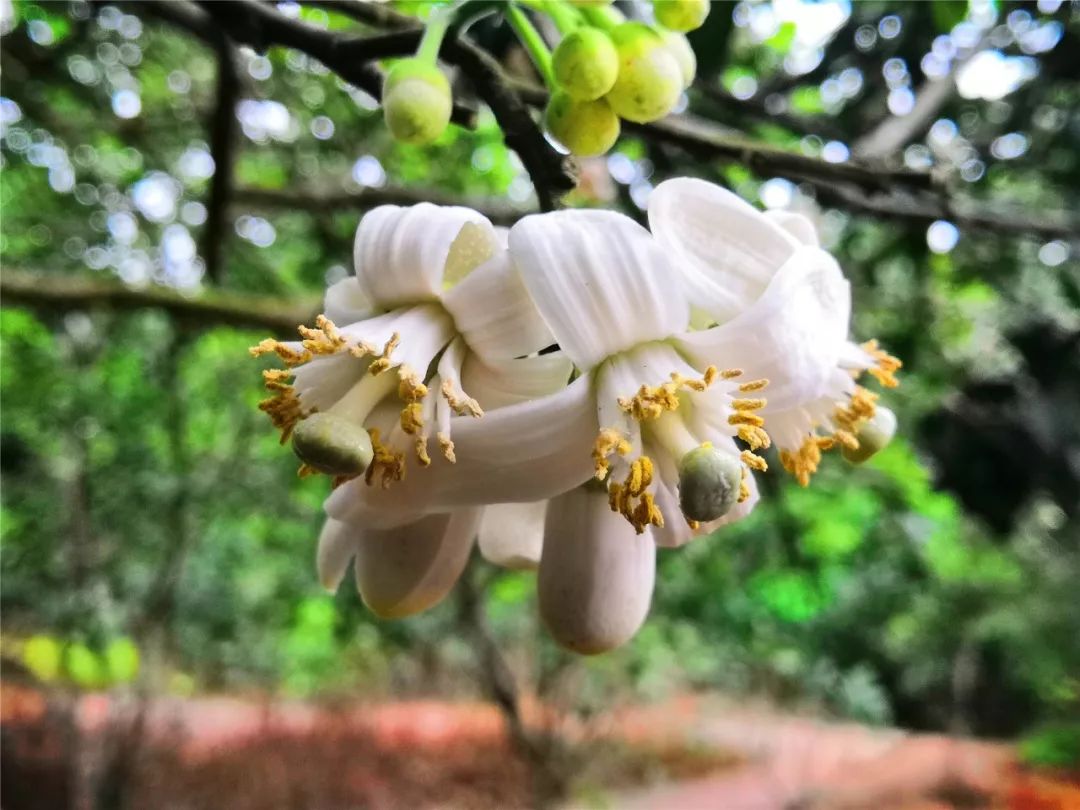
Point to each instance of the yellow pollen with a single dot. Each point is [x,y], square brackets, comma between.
[754,436]
[412,418]
[693,524]
[753,385]
[731,373]
[410,387]
[744,488]
[283,406]
[650,402]
[608,441]
[460,406]
[324,338]
[382,362]
[748,404]
[886,366]
[847,439]
[860,409]
[745,418]
[631,500]
[804,462]
[447,448]
[753,461]
[421,451]
[387,464]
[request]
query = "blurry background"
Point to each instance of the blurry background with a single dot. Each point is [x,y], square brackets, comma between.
[170,197]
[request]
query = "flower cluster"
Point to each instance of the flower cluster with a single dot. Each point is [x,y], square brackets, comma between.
[604,68]
[573,393]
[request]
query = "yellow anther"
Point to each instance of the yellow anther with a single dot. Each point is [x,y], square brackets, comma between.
[447,448]
[630,498]
[382,362]
[283,407]
[860,408]
[748,404]
[693,524]
[753,385]
[731,373]
[848,440]
[460,405]
[744,487]
[753,461]
[745,418]
[410,387]
[646,513]
[421,451]
[412,418]
[608,441]
[289,356]
[323,339]
[885,367]
[640,476]
[804,462]
[387,464]
[754,436]
[651,402]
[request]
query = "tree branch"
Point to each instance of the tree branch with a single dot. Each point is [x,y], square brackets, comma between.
[327,202]
[209,309]
[222,149]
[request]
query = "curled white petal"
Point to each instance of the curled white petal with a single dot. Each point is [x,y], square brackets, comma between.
[345,302]
[596,575]
[337,547]
[724,249]
[599,280]
[402,571]
[402,255]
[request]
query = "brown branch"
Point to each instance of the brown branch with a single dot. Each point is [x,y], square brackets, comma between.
[223,150]
[329,202]
[54,292]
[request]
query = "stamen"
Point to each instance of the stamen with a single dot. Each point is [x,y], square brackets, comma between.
[383,362]
[387,464]
[748,423]
[460,405]
[650,402]
[804,462]
[447,447]
[283,407]
[860,408]
[884,371]
[744,487]
[608,441]
[412,418]
[731,373]
[631,500]
[753,385]
[753,461]
[323,339]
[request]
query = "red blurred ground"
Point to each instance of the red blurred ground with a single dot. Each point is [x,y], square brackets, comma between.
[248,755]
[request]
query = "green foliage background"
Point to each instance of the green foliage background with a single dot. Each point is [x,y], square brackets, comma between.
[153,528]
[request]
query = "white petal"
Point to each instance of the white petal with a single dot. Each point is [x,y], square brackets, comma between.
[675,532]
[497,383]
[494,313]
[792,335]
[346,302]
[725,250]
[599,280]
[596,575]
[402,254]
[512,534]
[526,452]
[337,546]
[797,225]
[403,571]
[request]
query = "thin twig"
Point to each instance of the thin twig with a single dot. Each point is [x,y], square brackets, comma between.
[223,150]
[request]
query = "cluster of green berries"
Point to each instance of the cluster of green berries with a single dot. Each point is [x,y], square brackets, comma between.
[629,70]
[603,69]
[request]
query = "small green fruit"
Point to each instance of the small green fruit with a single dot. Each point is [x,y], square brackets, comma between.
[681,15]
[873,436]
[650,79]
[332,444]
[709,482]
[417,101]
[586,128]
[679,47]
[586,63]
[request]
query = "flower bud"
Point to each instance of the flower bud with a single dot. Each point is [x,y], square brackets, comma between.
[679,47]
[681,15]
[584,127]
[873,436]
[416,101]
[650,79]
[332,444]
[708,483]
[586,64]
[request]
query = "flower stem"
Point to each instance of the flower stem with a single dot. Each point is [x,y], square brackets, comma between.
[433,36]
[532,41]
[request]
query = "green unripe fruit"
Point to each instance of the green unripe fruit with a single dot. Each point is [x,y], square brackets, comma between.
[332,444]
[679,47]
[416,101]
[650,79]
[709,482]
[586,63]
[681,15]
[873,436]
[586,128]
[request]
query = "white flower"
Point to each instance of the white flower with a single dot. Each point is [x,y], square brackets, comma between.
[435,323]
[639,406]
[748,271]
